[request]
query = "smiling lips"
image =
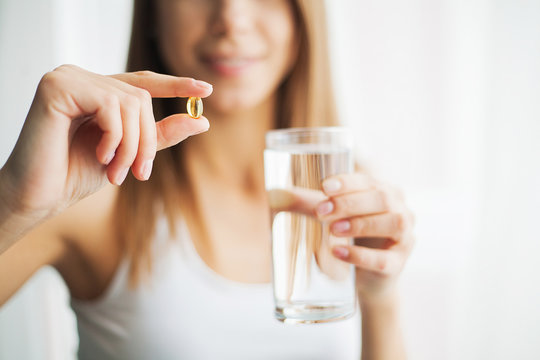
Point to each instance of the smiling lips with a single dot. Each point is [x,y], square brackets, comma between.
[230,65]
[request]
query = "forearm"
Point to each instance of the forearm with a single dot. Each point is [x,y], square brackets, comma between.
[382,338]
[14,223]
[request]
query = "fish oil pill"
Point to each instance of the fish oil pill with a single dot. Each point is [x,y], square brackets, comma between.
[195,107]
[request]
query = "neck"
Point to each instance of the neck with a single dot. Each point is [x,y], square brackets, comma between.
[231,151]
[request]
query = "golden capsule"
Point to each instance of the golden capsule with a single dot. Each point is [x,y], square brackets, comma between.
[195,107]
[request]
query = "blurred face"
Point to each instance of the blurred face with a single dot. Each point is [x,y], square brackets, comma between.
[244,48]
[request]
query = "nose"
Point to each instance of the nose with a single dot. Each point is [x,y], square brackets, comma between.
[231,16]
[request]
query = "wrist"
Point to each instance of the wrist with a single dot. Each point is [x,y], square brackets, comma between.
[389,298]
[381,329]
[14,221]
[8,199]
[16,200]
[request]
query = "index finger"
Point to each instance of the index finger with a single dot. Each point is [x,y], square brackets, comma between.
[165,86]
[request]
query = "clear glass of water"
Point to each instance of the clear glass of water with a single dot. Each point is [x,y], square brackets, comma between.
[310,284]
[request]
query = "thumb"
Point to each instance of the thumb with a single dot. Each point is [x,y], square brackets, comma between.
[176,128]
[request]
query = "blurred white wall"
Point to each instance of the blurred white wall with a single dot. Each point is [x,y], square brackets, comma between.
[444,97]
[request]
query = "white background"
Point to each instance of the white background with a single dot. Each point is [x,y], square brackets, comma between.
[444,99]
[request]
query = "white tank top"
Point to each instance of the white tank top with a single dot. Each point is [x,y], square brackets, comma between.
[188,311]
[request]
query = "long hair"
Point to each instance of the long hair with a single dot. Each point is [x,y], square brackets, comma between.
[305,99]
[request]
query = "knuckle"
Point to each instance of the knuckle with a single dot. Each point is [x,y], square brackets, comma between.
[358,227]
[51,80]
[131,101]
[384,199]
[65,67]
[110,100]
[344,203]
[399,222]
[368,225]
[143,73]
[143,95]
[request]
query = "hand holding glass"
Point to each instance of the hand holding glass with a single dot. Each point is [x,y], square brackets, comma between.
[310,284]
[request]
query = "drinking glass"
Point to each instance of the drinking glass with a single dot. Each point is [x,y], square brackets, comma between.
[310,284]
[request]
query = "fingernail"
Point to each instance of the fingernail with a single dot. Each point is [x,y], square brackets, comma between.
[341,252]
[109,158]
[121,176]
[147,169]
[341,226]
[201,131]
[331,185]
[325,208]
[203,84]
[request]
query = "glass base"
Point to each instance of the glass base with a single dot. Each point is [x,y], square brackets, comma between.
[304,313]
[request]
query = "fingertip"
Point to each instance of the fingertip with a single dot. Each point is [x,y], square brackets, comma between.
[203,85]
[110,176]
[106,149]
[176,128]
[203,124]
[341,227]
[194,88]
[341,252]
[121,176]
[324,208]
[198,125]
[145,170]
[104,156]
[332,185]
[117,177]
[108,158]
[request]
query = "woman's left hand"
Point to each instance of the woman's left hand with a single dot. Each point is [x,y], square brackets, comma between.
[375,215]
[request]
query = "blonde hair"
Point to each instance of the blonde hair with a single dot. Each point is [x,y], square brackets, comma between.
[304,99]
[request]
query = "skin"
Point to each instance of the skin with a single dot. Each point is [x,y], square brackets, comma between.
[76,120]
[225,43]
[245,48]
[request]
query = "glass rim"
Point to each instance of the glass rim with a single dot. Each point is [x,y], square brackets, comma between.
[307,130]
[281,137]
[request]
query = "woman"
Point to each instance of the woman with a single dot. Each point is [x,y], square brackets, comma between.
[177,265]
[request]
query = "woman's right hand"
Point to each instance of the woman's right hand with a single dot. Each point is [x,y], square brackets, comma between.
[84,129]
